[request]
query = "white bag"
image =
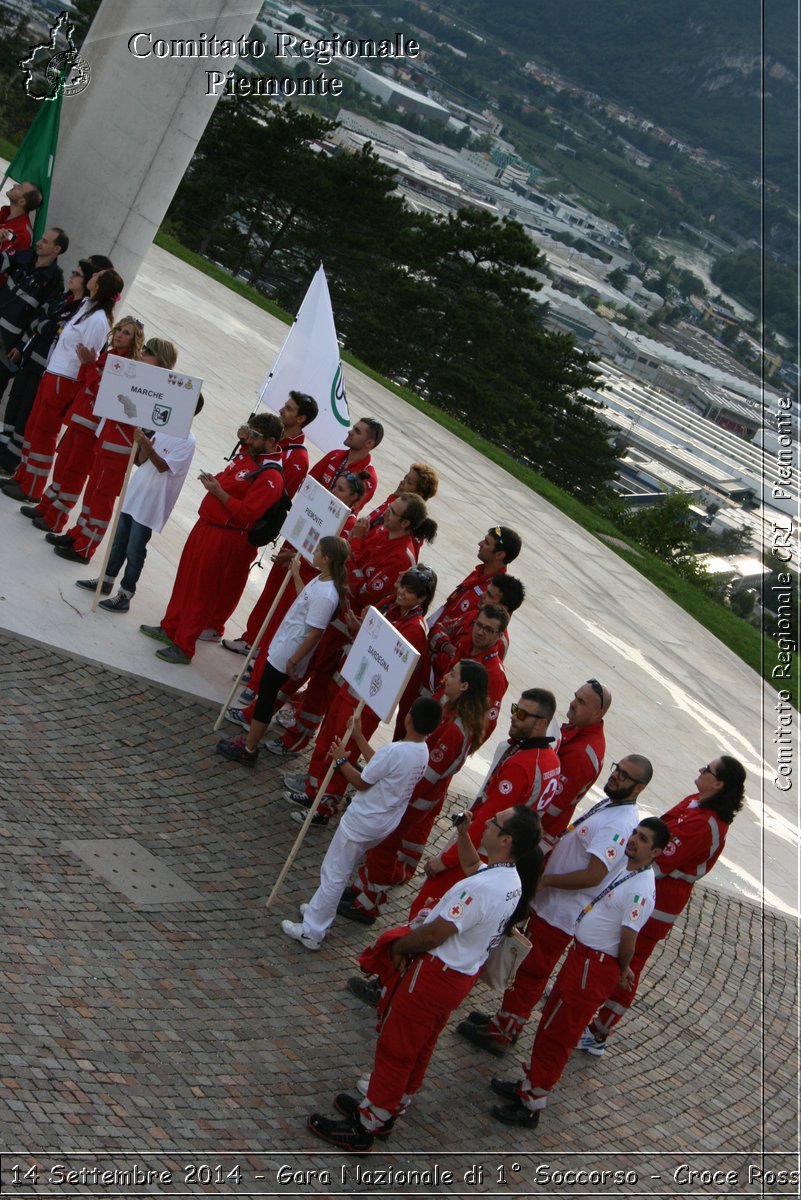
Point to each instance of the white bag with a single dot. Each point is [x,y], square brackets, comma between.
[503,960]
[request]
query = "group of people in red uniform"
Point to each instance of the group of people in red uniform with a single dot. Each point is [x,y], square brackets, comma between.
[612,883]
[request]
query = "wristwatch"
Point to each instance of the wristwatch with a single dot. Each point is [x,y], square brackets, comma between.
[338,762]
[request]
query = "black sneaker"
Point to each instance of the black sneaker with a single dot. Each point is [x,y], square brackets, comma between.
[479,1018]
[117,604]
[58,539]
[90,585]
[506,1088]
[352,912]
[349,1106]
[367,990]
[347,1135]
[482,1038]
[29,510]
[516,1114]
[235,750]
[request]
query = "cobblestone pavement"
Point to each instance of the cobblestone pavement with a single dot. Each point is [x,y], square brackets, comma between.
[197,1033]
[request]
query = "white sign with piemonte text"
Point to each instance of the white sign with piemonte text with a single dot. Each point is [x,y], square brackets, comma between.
[379,664]
[314,514]
[136,393]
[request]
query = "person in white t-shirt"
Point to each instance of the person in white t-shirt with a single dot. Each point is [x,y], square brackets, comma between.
[149,499]
[295,641]
[603,945]
[382,791]
[587,856]
[438,964]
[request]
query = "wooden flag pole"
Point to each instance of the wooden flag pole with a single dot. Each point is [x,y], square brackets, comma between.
[113,528]
[312,810]
[253,648]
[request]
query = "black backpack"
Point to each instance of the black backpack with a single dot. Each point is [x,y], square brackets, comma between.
[268,526]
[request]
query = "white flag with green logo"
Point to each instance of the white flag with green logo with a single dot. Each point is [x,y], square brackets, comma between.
[309,362]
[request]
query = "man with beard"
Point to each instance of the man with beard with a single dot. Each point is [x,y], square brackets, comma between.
[585,859]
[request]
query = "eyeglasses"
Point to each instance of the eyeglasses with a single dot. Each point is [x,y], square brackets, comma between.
[523,714]
[148,349]
[494,821]
[255,433]
[483,627]
[618,770]
[421,572]
[596,687]
[707,771]
[498,535]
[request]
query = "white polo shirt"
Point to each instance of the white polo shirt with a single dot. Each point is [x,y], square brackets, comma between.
[627,906]
[151,494]
[479,906]
[92,332]
[313,609]
[603,835]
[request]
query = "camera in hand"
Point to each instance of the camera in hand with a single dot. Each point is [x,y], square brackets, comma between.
[457,818]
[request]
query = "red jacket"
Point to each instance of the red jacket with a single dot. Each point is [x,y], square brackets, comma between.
[462,604]
[528,776]
[250,493]
[374,565]
[497,683]
[448,747]
[581,757]
[295,461]
[328,470]
[697,838]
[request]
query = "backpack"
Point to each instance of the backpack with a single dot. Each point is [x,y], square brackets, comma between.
[269,525]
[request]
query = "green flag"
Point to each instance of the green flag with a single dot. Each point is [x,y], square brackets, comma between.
[36,157]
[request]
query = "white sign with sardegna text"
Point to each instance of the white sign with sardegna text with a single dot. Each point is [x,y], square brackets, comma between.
[379,664]
[314,514]
[135,393]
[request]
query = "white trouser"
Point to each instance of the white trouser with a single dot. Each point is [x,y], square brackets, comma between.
[342,857]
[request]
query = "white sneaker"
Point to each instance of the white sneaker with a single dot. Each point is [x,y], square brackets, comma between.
[297,783]
[237,717]
[285,717]
[208,635]
[237,645]
[247,696]
[363,1084]
[294,929]
[276,746]
[302,908]
[590,1044]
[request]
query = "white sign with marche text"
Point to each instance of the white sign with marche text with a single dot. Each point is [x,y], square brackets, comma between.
[379,664]
[136,393]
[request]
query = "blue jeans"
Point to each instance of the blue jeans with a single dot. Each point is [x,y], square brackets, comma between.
[129,547]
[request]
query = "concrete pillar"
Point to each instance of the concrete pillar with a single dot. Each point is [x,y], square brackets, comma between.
[127,140]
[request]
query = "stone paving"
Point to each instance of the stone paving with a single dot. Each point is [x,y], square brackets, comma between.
[183,1034]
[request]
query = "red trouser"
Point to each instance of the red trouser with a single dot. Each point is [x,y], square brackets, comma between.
[72,467]
[395,860]
[213,568]
[619,1001]
[547,945]
[103,488]
[53,397]
[332,729]
[585,978]
[418,1012]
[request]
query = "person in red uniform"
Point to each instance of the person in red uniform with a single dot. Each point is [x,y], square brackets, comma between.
[414,590]
[16,226]
[437,965]
[421,480]
[582,747]
[698,826]
[365,436]
[376,560]
[499,547]
[483,642]
[503,590]
[217,554]
[76,450]
[297,412]
[606,934]
[465,704]
[107,472]
[525,771]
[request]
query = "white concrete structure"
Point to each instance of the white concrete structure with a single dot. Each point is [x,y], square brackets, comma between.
[127,140]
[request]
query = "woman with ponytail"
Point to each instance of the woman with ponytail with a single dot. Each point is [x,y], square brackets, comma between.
[465,703]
